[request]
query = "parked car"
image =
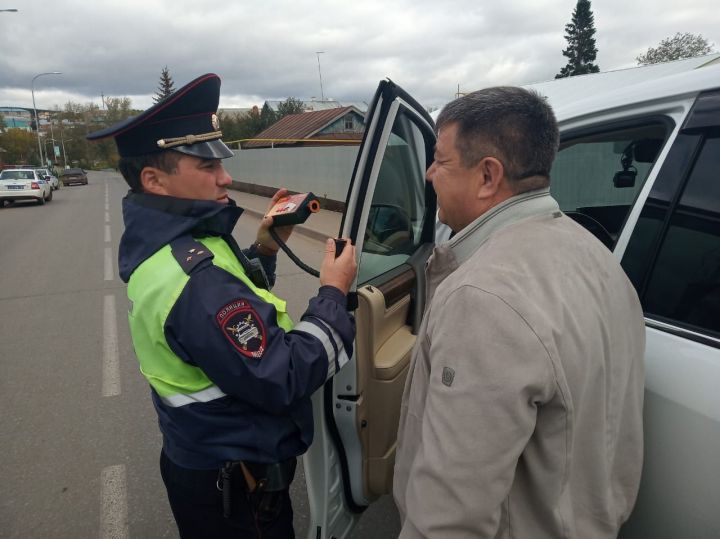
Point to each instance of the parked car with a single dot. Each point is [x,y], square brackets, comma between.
[24,184]
[638,166]
[50,177]
[71,176]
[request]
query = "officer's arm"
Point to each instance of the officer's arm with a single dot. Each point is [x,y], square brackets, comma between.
[220,326]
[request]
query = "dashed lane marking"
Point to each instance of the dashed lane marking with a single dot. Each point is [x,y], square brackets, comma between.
[108,264]
[111,360]
[114,510]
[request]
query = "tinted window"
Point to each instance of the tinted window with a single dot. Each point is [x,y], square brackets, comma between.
[17,175]
[398,210]
[596,177]
[684,285]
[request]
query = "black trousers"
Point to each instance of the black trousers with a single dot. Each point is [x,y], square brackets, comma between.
[197,505]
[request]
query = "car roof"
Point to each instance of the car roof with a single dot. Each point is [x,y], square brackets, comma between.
[583,95]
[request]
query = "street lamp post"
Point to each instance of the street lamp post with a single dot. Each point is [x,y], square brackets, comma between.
[37,120]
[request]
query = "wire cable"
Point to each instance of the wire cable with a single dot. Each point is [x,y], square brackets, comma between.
[298,262]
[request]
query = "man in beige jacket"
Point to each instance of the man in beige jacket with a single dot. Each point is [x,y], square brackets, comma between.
[522,411]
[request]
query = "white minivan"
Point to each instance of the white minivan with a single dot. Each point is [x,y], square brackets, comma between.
[639,166]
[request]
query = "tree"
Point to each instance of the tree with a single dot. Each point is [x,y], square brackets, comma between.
[581,51]
[676,48]
[166,85]
[291,105]
[267,118]
[20,146]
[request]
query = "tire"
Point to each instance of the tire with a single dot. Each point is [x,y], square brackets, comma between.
[50,195]
[41,201]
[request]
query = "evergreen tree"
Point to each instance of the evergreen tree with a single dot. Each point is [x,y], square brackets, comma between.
[581,51]
[166,86]
[291,105]
[676,48]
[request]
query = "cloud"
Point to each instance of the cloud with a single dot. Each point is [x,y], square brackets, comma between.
[267,50]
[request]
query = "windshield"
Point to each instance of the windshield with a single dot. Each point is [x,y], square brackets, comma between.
[17,175]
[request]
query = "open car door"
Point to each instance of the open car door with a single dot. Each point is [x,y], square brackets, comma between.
[390,217]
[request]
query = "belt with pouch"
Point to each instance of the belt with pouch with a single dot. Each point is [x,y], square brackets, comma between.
[254,478]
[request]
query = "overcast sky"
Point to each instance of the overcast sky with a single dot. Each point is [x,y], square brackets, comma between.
[265,49]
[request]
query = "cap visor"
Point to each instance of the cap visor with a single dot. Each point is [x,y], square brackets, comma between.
[213,149]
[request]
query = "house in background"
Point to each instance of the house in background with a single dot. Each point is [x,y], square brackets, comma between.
[312,105]
[334,127]
[19,117]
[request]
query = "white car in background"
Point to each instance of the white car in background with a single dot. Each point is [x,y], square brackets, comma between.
[639,167]
[51,178]
[24,184]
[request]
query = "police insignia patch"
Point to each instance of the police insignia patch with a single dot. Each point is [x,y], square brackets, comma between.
[243,327]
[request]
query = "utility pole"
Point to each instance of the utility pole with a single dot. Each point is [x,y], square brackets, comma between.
[322,94]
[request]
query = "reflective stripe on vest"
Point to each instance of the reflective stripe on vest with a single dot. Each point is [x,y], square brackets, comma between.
[206,395]
[153,290]
[333,344]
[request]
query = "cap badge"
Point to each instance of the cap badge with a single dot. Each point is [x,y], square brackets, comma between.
[215,122]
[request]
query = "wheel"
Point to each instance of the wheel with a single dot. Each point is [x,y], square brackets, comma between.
[41,201]
[50,195]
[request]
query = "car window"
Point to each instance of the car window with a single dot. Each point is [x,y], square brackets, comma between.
[684,285]
[397,213]
[17,175]
[597,176]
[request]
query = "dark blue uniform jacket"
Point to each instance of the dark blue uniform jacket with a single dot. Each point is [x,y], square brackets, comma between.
[266,413]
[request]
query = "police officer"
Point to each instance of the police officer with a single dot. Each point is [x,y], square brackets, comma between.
[230,376]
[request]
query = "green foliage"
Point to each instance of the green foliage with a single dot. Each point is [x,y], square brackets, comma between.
[167,86]
[581,51]
[291,105]
[20,147]
[3,126]
[676,48]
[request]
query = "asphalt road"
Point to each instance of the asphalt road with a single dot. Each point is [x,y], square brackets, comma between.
[78,434]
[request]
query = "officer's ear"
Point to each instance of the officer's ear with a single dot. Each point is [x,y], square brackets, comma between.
[153,181]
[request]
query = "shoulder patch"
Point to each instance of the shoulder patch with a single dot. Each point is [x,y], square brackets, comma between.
[189,253]
[243,327]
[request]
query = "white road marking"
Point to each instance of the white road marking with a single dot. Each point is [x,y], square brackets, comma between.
[107,233]
[108,264]
[107,216]
[111,360]
[114,510]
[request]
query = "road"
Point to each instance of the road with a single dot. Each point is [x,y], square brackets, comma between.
[78,433]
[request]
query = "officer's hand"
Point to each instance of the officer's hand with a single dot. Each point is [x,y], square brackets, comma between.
[338,272]
[266,244]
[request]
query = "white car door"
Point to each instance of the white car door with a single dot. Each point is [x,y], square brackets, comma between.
[390,216]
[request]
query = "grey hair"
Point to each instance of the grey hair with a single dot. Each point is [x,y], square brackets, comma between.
[515,125]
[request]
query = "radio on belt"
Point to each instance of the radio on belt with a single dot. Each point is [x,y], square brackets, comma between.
[294,209]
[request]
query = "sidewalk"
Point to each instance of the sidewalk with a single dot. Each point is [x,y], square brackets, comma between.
[319,226]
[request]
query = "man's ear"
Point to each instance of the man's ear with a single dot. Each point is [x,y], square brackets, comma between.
[492,177]
[153,181]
